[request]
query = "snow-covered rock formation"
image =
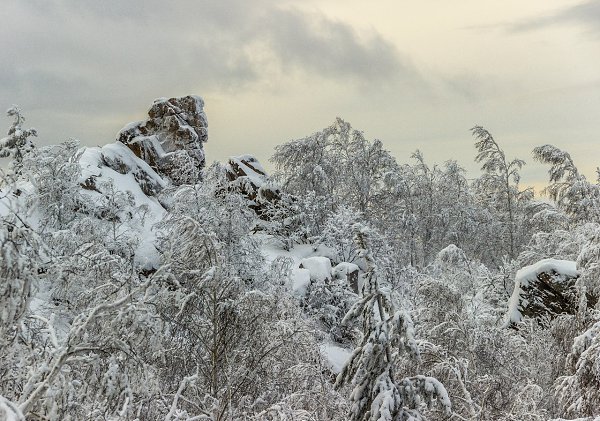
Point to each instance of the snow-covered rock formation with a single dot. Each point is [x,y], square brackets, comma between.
[319,268]
[546,288]
[248,176]
[112,176]
[349,272]
[120,183]
[171,139]
[247,171]
[120,159]
[166,149]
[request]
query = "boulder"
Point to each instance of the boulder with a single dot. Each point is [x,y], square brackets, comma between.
[171,139]
[348,272]
[318,266]
[115,156]
[544,290]
[247,176]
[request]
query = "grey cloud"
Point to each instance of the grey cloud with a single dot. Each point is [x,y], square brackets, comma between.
[80,56]
[586,14]
[332,48]
[211,37]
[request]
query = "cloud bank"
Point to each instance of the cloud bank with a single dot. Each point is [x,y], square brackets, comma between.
[586,14]
[89,54]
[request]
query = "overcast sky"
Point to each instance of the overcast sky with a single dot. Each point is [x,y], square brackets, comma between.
[416,74]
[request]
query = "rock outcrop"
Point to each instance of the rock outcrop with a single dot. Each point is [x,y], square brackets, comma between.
[349,272]
[171,139]
[117,183]
[544,290]
[117,157]
[247,176]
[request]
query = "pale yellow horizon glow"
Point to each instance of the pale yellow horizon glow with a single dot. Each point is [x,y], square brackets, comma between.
[527,77]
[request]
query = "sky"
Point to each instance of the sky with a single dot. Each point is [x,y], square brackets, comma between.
[415,74]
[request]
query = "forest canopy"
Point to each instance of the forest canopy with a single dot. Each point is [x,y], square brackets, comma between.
[139,283]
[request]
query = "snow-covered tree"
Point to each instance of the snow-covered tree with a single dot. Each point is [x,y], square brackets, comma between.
[568,188]
[18,143]
[130,295]
[338,234]
[339,165]
[229,329]
[305,164]
[362,166]
[377,392]
[54,173]
[499,186]
[222,216]
[579,392]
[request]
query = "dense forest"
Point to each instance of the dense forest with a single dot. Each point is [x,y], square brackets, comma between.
[138,282]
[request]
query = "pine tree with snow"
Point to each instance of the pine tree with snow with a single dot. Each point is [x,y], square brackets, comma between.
[377,392]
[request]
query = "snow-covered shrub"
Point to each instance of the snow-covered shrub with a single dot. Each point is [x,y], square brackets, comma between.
[578,393]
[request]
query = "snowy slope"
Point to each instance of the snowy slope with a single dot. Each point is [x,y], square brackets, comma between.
[134,176]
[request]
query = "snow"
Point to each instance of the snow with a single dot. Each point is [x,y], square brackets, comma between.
[126,182]
[562,267]
[343,269]
[9,411]
[300,281]
[127,127]
[255,164]
[271,249]
[91,162]
[118,151]
[335,356]
[319,267]
[527,274]
[315,265]
[254,171]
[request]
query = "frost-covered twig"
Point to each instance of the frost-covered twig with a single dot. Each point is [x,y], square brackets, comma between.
[182,386]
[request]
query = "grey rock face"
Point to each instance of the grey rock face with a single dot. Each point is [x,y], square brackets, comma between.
[171,139]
